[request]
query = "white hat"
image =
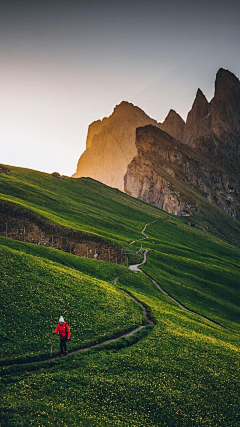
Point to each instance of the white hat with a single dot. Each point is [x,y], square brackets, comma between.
[61,319]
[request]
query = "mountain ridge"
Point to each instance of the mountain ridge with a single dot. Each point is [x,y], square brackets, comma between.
[212,131]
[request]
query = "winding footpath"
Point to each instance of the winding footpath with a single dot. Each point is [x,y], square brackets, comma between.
[148,320]
[156,284]
[135,266]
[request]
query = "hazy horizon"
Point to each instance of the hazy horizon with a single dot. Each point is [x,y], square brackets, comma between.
[65,65]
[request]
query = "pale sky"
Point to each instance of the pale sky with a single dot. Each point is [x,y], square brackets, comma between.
[67,63]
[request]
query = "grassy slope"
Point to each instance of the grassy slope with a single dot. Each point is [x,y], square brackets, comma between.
[36,291]
[90,206]
[209,277]
[77,203]
[184,372]
[201,274]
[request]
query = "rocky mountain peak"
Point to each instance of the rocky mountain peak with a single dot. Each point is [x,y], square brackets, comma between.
[174,125]
[111,145]
[123,112]
[127,111]
[200,109]
[124,106]
[227,86]
[225,108]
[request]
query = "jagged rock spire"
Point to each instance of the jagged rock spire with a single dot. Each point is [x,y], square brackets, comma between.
[225,105]
[174,125]
[227,86]
[200,109]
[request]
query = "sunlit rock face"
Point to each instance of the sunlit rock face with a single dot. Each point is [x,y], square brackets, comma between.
[111,145]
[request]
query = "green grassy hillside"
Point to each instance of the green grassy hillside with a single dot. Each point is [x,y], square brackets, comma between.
[34,292]
[201,274]
[88,205]
[184,372]
[83,204]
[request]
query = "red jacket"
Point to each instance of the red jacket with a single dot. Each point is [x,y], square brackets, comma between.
[62,329]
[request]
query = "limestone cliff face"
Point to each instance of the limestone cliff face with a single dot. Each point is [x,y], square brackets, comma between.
[111,145]
[94,129]
[170,174]
[225,116]
[166,172]
[225,106]
[214,128]
[152,187]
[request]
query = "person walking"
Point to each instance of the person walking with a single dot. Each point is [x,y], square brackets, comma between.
[63,331]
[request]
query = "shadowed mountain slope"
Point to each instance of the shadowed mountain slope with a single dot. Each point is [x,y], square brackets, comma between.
[178,174]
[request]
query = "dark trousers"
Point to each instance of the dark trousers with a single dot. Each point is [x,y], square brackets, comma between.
[63,347]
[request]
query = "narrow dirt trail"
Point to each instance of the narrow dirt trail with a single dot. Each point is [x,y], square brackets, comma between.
[157,285]
[147,317]
[143,232]
[148,320]
[135,266]
[179,304]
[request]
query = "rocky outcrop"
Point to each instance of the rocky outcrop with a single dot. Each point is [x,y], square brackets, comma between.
[21,224]
[170,175]
[57,175]
[4,170]
[174,125]
[214,128]
[197,119]
[225,106]
[225,116]
[206,160]
[111,145]
[144,183]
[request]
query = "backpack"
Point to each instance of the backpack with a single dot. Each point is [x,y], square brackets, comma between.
[66,331]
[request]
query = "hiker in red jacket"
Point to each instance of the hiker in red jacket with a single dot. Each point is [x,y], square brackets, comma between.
[64,333]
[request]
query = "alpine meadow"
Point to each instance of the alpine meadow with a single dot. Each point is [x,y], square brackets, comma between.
[156,344]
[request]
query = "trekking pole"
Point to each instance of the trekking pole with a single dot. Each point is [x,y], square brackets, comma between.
[51,346]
